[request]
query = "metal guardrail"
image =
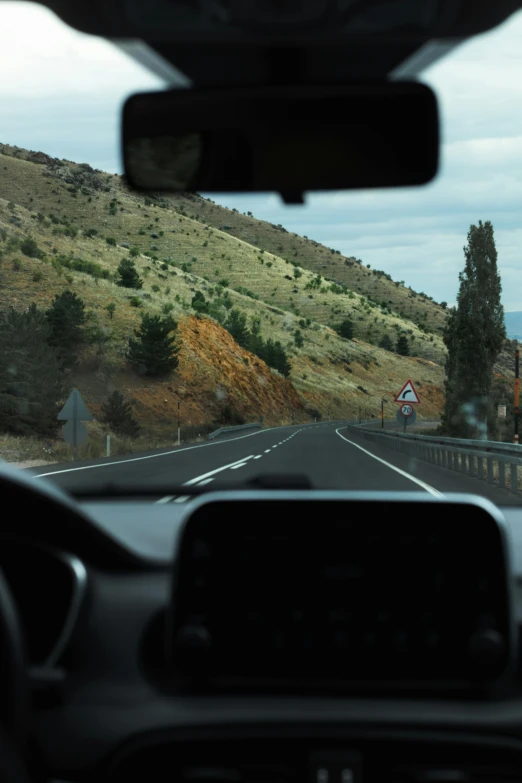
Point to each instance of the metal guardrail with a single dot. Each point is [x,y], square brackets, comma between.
[482,459]
[221,430]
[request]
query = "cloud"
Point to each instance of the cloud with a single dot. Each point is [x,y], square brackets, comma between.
[62,90]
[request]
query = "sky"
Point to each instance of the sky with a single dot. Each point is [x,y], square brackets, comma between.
[61,92]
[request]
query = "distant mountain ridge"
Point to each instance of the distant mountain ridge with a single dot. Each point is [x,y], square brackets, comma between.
[513,323]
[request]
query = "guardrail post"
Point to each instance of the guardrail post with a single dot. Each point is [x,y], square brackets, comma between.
[490,470]
[480,467]
[514,478]
[471,464]
[501,475]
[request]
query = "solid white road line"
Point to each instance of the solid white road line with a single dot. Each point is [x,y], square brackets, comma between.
[205,481]
[241,465]
[153,456]
[420,483]
[197,479]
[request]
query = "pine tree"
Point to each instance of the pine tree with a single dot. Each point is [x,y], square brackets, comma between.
[31,383]
[386,342]
[256,344]
[66,318]
[154,350]
[199,303]
[236,324]
[129,277]
[117,413]
[276,357]
[474,336]
[403,346]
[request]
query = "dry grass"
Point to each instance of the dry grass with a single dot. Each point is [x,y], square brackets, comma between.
[31,452]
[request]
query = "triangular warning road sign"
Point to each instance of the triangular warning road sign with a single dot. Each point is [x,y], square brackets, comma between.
[408,394]
[74,409]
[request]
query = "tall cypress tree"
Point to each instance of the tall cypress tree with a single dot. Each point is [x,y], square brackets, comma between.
[474,336]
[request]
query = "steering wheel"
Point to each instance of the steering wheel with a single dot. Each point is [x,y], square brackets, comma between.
[14,690]
[23,492]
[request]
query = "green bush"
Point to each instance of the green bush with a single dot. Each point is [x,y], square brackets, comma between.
[110,241]
[30,249]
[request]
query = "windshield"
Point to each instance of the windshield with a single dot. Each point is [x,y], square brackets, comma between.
[198,339]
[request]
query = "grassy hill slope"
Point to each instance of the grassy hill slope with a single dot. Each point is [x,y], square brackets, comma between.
[374,284]
[85,221]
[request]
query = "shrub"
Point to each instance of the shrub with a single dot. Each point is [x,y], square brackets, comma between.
[111,308]
[110,241]
[135,301]
[30,249]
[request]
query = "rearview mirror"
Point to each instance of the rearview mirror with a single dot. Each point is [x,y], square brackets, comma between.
[284,139]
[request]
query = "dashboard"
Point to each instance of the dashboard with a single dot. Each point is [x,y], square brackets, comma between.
[107,590]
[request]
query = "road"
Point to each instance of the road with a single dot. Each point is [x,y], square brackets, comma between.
[330,454]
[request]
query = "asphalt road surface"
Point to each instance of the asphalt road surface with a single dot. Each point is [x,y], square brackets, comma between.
[330,454]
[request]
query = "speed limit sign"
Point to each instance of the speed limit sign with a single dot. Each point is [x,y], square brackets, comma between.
[406,410]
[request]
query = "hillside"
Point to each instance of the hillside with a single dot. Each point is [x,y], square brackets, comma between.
[85,221]
[376,285]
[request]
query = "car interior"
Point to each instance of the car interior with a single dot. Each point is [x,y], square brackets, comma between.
[272,632]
